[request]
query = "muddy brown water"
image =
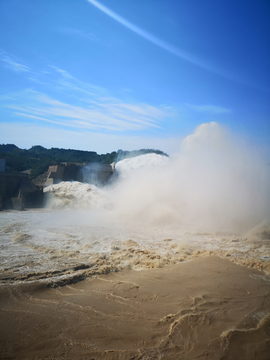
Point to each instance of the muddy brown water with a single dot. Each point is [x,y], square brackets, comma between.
[207,308]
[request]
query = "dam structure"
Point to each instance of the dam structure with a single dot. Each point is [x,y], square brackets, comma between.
[18,192]
[93,173]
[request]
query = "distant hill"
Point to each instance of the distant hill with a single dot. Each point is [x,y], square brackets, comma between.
[8,147]
[38,158]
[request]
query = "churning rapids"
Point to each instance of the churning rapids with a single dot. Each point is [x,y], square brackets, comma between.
[210,201]
[211,198]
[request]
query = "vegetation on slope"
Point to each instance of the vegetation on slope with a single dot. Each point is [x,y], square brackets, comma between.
[38,158]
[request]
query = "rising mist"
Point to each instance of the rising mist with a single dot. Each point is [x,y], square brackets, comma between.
[214,183]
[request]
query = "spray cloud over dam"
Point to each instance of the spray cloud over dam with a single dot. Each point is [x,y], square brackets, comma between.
[214,183]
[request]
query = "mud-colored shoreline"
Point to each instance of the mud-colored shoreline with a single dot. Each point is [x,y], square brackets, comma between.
[207,308]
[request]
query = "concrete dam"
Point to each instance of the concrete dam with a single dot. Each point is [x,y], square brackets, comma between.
[17,191]
[93,173]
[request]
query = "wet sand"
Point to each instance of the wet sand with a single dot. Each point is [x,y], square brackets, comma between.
[206,308]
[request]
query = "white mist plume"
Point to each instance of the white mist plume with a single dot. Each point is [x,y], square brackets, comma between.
[214,183]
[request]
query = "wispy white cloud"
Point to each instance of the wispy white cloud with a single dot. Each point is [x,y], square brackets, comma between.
[210,109]
[164,45]
[107,116]
[92,112]
[64,73]
[36,117]
[10,62]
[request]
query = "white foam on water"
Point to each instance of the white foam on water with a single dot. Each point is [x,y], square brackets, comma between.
[76,195]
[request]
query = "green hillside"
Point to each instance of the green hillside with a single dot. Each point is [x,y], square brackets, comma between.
[38,158]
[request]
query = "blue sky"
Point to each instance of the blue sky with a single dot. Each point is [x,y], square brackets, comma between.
[125,74]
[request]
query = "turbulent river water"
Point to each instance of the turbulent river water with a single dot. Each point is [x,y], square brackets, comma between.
[60,247]
[175,254]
